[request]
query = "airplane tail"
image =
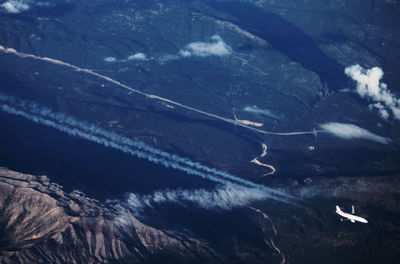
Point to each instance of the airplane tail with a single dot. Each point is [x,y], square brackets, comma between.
[338,209]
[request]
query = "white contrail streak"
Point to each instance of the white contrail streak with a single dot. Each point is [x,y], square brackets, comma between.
[223,197]
[71,126]
[151,96]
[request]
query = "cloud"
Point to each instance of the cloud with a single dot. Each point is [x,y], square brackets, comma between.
[110,59]
[224,197]
[135,57]
[258,111]
[369,86]
[216,47]
[350,131]
[138,56]
[169,57]
[15,6]
[382,110]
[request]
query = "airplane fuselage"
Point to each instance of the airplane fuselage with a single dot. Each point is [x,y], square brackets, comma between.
[351,217]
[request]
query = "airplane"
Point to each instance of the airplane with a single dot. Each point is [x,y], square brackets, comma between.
[234,115]
[353,218]
[315,132]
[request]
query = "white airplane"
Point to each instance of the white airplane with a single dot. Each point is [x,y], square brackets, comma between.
[315,132]
[353,218]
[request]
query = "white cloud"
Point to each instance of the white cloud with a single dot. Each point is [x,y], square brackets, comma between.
[259,111]
[382,111]
[223,197]
[135,57]
[369,86]
[15,6]
[138,56]
[216,47]
[110,59]
[169,57]
[350,131]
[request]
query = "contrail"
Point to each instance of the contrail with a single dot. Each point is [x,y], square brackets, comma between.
[151,96]
[223,197]
[71,126]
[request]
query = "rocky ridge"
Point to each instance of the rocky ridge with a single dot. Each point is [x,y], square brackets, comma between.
[41,223]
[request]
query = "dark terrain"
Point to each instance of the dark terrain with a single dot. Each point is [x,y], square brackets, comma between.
[286,64]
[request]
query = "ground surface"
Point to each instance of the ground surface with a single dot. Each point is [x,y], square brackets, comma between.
[104,116]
